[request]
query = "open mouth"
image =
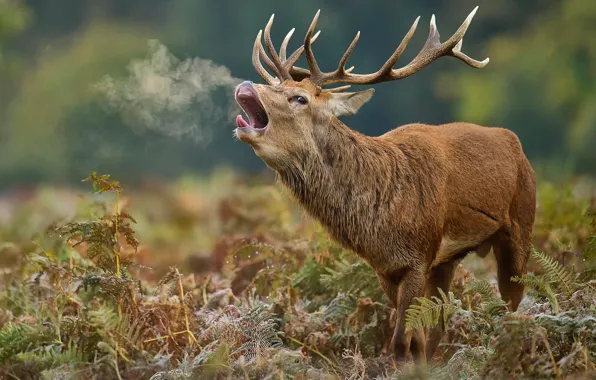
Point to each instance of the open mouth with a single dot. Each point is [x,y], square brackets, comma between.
[248,100]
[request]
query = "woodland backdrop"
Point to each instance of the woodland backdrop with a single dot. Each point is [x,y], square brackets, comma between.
[82,81]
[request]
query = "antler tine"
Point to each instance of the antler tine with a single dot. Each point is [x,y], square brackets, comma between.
[337,89]
[281,73]
[457,53]
[296,55]
[266,59]
[284,45]
[256,62]
[315,72]
[387,67]
[341,67]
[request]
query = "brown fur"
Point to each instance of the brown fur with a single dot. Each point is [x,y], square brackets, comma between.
[412,202]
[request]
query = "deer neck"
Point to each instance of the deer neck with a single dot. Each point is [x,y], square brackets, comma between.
[343,182]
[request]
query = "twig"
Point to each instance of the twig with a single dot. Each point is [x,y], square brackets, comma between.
[552,358]
[191,336]
[205,289]
[116,363]
[117,250]
[313,350]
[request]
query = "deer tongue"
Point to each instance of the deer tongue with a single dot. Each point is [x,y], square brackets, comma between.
[240,122]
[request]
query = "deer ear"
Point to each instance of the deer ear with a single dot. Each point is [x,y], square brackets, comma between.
[348,103]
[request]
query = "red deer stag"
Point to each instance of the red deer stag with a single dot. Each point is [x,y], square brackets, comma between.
[412,202]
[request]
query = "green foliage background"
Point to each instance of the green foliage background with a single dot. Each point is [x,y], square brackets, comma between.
[541,81]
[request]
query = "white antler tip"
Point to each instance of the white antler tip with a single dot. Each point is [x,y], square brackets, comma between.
[433,21]
[486,61]
[471,15]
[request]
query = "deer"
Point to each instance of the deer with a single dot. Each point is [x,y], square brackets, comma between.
[413,202]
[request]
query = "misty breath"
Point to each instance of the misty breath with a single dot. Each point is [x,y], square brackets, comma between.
[177,98]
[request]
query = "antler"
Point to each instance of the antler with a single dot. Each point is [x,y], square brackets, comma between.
[284,68]
[431,51]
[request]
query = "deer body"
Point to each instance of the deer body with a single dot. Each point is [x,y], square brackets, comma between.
[412,202]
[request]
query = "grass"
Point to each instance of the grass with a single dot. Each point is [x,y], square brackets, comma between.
[225,278]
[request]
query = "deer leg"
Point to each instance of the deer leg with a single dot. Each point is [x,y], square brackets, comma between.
[406,284]
[439,277]
[512,252]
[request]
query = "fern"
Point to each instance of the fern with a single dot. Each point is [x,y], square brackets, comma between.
[356,278]
[340,307]
[308,279]
[482,287]
[541,286]
[21,338]
[260,332]
[34,363]
[491,304]
[105,320]
[556,272]
[428,311]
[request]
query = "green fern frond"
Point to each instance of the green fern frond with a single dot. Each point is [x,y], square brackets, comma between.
[105,320]
[541,286]
[356,278]
[556,272]
[15,339]
[428,311]
[52,357]
[308,279]
[491,303]
[340,307]
[482,287]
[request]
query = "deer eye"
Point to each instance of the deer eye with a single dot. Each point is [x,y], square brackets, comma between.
[300,99]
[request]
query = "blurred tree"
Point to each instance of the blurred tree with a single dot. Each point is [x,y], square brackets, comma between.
[14,17]
[542,84]
[37,145]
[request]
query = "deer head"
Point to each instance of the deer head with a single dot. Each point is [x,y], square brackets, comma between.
[284,115]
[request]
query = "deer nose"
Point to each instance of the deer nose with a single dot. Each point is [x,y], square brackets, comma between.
[246,83]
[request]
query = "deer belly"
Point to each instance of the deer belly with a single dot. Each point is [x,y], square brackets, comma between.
[451,248]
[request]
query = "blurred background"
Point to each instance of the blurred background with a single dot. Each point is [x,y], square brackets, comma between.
[141,89]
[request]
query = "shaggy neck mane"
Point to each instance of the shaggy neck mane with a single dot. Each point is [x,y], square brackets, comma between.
[344,181]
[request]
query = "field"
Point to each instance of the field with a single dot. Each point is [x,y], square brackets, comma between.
[224,277]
